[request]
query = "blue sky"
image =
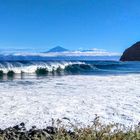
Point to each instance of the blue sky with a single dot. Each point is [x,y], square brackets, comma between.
[42,24]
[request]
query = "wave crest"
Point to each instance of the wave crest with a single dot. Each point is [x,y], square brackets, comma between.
[65,67]
[43,67]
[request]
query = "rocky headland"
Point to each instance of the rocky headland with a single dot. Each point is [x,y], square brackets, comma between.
[132,53]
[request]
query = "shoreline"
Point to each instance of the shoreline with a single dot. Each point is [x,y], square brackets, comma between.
[59,131]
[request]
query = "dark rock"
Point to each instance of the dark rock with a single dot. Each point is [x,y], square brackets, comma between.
[22,124]
[51,130]
[16,127]
[132,53]
[71,133]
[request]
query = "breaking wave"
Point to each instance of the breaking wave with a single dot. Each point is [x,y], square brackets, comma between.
[65,67]
[42,67]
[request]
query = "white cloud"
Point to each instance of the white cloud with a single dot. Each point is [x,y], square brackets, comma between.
[80,52]
[71,53]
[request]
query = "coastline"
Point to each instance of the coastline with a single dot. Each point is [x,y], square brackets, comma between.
[95,131]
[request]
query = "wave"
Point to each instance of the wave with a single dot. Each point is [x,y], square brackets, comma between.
[11,68]
[66,67]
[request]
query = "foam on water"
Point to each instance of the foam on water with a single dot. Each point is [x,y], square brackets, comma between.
[31,67]
[78,97]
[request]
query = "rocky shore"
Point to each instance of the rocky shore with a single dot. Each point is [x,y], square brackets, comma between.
[96,131]
[19,132]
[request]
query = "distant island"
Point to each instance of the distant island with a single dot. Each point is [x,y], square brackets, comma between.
[57,49]
[132,53]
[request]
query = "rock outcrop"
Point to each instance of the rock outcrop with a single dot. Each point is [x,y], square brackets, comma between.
[132,53]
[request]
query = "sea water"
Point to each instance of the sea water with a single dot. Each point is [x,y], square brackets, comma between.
[77,90]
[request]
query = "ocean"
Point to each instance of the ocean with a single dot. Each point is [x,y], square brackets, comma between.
[35,91]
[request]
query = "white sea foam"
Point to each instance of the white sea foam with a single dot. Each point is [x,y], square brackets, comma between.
[18,67]
[36,101]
